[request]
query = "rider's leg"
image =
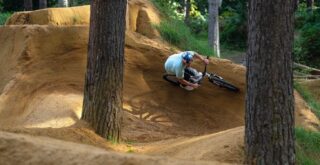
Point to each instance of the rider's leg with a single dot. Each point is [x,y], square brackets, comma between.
[192,75]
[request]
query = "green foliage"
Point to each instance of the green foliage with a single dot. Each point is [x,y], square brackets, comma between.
[306,49]
[307,146]
[309,98]
[307,44]
[233,20]
[174,30]
[1,6]
[79,2]
[4,17]
[198,22]
[174,9]
[177,33]
[310,43]
[234,24]
[12,5]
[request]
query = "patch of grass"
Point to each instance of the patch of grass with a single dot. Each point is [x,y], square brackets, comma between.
[307,147]
[309,98]
[4,17]
[178,34]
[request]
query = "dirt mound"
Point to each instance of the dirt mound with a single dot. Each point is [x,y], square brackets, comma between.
[43,150]
[47,79]
[225,146]
[52,16]
[304,116]
[141,17]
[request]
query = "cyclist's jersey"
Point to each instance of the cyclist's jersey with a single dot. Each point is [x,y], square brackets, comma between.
[174,64]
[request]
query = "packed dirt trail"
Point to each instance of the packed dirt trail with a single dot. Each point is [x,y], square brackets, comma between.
[42,67]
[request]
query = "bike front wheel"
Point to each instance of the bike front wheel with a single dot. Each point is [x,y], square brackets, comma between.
[217,80]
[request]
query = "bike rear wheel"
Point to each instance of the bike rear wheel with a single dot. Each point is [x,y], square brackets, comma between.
[217,80]
[171,78]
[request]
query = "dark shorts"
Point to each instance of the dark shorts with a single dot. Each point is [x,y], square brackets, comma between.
[189,73]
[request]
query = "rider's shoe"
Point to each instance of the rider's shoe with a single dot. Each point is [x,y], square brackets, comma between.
[188,88]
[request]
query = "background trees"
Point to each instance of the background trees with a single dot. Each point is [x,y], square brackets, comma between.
[63,3]
[213,28]
[269,131]
[102,104]
[42,4]
[27,5]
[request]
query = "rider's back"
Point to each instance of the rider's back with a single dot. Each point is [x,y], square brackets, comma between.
[174,65]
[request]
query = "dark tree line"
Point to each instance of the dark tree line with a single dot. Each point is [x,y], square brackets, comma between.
[20,5]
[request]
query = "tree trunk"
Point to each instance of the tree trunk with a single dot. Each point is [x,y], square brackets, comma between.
[213,29]
[71,3]
[269,119]
[63,3]
[42,4]
[309,5]
[27,5]
[296,5]
[102,105]
[187,12]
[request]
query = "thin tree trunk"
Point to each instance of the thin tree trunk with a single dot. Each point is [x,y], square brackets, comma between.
[28,5]
[296,5]
[187,12]
[102,105]
[213,29]
[309,5]
[42,4]
[71,2]
[63,3]
[269,130]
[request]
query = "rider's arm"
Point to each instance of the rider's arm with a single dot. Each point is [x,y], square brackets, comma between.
[198,56]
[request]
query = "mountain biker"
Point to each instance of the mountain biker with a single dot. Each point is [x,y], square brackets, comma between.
[179,65]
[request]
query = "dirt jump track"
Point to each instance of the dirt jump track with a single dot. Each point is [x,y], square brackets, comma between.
[42,65]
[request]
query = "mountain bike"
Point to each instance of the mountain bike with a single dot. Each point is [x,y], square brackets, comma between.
[194,76]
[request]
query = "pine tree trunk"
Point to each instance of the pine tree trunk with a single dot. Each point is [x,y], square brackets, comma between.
[42,4]
[102,106]
[187,14]
[213,29]
[28,5]
[269,131]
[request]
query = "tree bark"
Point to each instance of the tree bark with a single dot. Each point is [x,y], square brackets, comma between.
[102,105]
[187,12]
[269,119]
[42,4]
[213,29]
[28,5]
